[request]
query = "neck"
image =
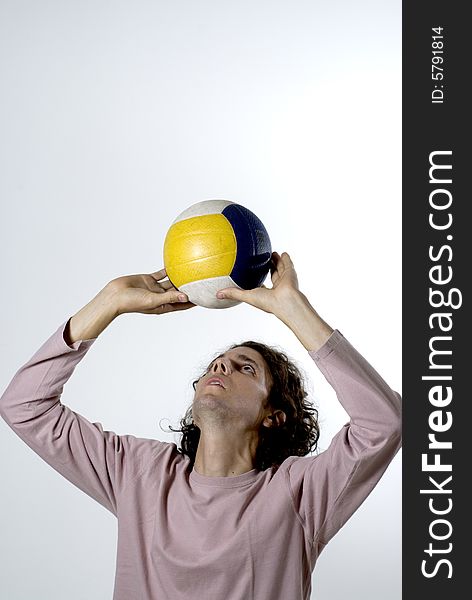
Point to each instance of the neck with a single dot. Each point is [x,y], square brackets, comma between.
[225,454]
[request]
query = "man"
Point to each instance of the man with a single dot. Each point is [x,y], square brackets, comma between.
[220,519]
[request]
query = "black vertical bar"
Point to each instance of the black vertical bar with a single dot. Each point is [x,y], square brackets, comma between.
[437,258]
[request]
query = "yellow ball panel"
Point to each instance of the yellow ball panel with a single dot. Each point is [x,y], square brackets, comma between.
[199,248]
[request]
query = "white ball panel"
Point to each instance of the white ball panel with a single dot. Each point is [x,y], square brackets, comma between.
[203,293]
[206,207]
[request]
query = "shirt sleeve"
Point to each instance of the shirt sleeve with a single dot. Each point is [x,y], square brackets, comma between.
[100,463]
[328,488]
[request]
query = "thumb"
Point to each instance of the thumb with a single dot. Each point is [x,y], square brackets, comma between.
[233,293]
[171,296]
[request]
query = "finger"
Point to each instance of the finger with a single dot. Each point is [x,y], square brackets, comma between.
[277,265]
[274,277]
[167,285]
[172,296]
[159,274]
[286,259]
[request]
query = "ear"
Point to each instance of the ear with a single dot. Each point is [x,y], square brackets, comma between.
[276,419]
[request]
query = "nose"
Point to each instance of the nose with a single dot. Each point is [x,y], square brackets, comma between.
[221,366]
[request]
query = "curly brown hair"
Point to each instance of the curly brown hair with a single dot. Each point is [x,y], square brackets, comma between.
[299,434]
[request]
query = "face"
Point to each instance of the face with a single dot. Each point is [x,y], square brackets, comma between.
[233,391]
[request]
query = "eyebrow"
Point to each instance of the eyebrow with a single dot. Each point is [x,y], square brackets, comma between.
[246,358]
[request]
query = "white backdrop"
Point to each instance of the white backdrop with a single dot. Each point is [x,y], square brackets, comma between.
[117,116]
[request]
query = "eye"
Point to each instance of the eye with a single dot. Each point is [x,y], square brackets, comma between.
[249,367]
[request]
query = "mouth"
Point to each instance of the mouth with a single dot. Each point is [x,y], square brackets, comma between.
[216,381]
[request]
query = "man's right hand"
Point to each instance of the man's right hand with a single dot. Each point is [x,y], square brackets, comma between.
[150,294]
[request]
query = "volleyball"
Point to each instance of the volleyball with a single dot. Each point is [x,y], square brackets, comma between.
[213,245]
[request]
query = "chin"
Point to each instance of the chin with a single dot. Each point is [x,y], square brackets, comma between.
[208,408]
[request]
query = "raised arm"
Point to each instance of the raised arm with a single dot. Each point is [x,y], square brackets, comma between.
[147,293]
[285,300]
[98,462]
[328,488]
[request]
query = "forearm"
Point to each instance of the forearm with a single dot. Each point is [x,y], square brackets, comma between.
[93,318]
[300,316]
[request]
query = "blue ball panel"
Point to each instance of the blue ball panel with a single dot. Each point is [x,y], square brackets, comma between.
[253,251]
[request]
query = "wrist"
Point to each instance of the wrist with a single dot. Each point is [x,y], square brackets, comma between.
[93,318]
[300,316]
[108,298]
[294,305]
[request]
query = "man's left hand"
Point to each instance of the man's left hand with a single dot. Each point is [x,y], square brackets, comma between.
[272,300]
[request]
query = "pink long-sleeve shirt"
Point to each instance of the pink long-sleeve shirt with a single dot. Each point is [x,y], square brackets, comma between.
[183,535]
